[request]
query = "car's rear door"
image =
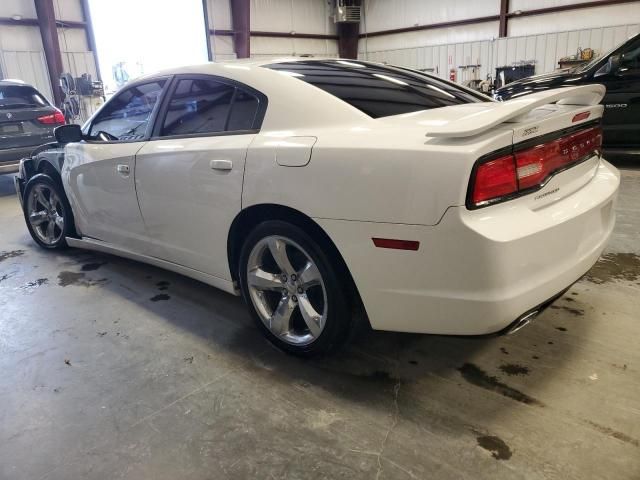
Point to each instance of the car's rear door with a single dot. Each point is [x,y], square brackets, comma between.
[99,174]
[189,175]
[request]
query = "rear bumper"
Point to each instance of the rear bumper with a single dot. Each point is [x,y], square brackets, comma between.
[476,272]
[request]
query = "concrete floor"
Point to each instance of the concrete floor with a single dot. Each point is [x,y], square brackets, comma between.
[113,369]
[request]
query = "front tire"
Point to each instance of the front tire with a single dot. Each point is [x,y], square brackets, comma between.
[293,289]
[47,212]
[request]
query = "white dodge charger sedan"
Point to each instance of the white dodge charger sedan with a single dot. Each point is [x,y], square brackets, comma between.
[322,188]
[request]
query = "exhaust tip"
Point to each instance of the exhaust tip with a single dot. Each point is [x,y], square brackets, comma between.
[523,321]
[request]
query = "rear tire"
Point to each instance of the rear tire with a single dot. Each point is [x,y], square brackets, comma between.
[293,290]
[47,212]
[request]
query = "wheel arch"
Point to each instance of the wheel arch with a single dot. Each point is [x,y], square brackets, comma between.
[252,216]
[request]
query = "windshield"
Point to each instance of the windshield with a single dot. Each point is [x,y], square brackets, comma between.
[377,90]
[15,96]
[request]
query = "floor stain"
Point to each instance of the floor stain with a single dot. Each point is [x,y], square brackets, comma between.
[499,450]
[6,276]
[12,254]
[163,285]
[35,284]
[615,266]
[90,267]
[573,311]
[78,279]
[535,357]
[562,329]
[413,362]
[514,369]
[504,350]
[614,433]
[162,296]
[478,377]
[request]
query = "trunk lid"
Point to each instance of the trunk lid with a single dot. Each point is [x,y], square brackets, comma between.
[530,122]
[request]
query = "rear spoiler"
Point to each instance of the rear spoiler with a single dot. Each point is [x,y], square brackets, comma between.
[481,118]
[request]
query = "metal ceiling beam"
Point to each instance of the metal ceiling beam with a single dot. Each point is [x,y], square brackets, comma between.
[49,34]
[566,8]
[33,22]
[258,33]
[241,21]
[417,28]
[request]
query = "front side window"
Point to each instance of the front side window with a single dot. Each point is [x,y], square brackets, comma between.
[201,106]
[377,90]
[127,116]
[20,96]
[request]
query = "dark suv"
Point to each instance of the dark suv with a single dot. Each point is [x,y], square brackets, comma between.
[619,72]
[27,120]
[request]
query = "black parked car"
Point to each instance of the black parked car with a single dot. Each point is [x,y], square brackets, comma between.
[619,72]
[27,120]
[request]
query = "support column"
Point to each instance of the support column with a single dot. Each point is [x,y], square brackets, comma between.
[504,11]
[241,22]
[91,39]
[205,12]
[348,39]
[49,34]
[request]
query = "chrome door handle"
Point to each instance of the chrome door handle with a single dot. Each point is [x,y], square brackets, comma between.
[123,169]
[221,164]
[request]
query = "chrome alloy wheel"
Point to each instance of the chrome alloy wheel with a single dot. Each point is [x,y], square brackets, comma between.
[287,290]
[46,214]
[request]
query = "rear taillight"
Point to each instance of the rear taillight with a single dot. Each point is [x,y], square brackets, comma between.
[507,176]
[56,118]
[495,179]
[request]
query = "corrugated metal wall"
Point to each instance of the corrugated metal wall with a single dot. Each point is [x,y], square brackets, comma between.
[21,52]
[544,50]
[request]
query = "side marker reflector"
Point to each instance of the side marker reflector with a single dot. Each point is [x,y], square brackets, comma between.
[396,244]
[580,116]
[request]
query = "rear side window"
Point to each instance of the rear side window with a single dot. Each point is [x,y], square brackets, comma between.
[377,90]
[126,117]
[17,96]
[201,106]
[198,106]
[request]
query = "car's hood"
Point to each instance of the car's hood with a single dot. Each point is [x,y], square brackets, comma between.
[536,83]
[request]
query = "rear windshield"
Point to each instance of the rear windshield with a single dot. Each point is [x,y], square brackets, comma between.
[377,90]
[16,96]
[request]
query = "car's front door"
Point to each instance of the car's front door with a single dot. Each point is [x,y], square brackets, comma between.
[99,173]
[189,175]
[621,120]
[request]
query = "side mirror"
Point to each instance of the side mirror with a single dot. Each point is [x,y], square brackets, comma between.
[68,133]
[610,67]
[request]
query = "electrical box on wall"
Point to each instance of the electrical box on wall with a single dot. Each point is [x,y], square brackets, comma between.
[347,11]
